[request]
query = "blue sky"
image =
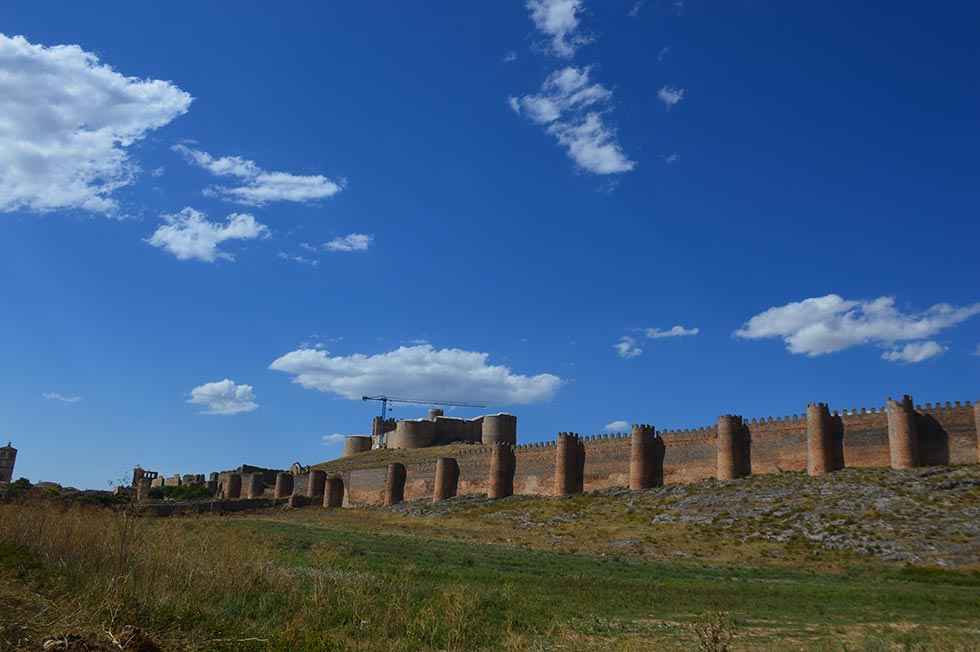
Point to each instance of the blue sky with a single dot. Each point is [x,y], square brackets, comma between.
[580,212]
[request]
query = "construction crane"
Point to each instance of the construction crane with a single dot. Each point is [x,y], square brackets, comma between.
[385,400]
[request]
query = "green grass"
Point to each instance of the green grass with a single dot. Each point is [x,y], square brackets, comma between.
[313,582]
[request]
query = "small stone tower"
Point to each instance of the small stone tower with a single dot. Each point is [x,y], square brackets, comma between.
[646,458]
[734,448]
[569,464]
[447,479]
[8,455]
[903,433]
[503,464]
[819,440]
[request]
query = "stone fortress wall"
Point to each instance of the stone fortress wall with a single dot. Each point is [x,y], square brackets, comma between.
[900,435]
[945,434]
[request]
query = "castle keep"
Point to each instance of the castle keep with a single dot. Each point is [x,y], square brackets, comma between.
[487,460]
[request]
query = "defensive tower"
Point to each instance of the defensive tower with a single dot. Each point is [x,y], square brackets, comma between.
[819,440]
[903,433]
[447,479]
[503,464]
[8,455]
[395,484]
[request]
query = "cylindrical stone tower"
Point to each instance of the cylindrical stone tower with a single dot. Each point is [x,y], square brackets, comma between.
[729,442]
[233,486]
[569,464]
[642,462]
[355,444]
[836,442]
[212,486]
[253,485]
[333,495]
[499,428]
[284,484]
[395,484]
[503,463]
[903,436]
[315,483]
[447,479]
[413,434]
[435,412]
[819,440]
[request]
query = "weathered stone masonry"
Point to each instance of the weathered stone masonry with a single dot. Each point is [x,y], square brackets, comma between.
[945,434]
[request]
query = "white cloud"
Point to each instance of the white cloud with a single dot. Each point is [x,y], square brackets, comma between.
[66,121]
[671,158]
[671,96]
[914,352]
[635,9]
[570,107]
[302,260]
[260,187]
[510,57]
[626,347]
[676,331]
[158,172]
[55,396]
[828,324]
[416,371]
[664,51]
[558,19]
[617,426]
[977,351]
[224,397]
[188,235]
[350,242]
[333,440]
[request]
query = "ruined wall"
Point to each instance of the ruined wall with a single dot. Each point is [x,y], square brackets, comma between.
[947,435]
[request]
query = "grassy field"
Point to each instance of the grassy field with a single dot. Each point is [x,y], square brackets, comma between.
[466,579]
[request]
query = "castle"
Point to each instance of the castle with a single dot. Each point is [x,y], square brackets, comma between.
[899,435]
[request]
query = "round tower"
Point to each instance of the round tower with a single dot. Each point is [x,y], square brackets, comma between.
[284,484]
[569,464]
[499,428]
[395,484]
[503,463]
[333,495]
[8,456]
[253,485]
[447,479]
[903,436]
[729,438]
[355,444]
[142,490]
[643,472]
[413,434]
[233,486]
[434,413]
[819,440]
[315,483]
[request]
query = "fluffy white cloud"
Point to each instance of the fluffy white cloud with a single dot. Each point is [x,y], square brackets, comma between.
[827,324]
[617,426]
[224,397]
[188,235]
[671,96]
[66,121]
[350,242]
[676,331]
[259,186]
[558,19]
[570,108]
[55,396]
[914,352]
[332,440]
[416,371]
[627,348]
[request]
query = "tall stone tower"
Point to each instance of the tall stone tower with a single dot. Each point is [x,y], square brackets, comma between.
[8,455]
